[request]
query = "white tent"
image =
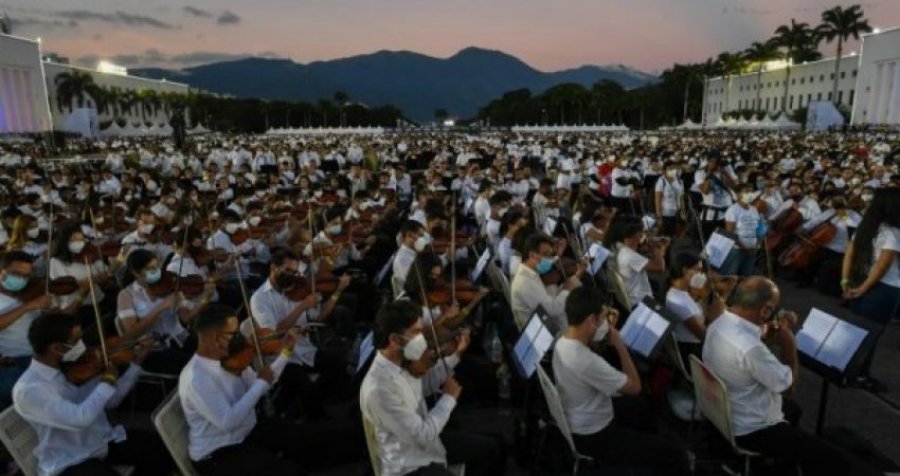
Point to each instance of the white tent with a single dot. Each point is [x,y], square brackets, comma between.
[784,123]
[112,131]
[198,129]
[767,122]
[689,125]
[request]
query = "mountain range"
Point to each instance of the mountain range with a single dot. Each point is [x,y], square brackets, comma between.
[416,83]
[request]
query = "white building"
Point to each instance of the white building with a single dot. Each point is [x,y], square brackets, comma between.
[28,99]
[867,79]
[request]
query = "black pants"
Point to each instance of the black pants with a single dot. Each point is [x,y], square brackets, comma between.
[629,441]
[483,455]
[304,447]
[143,449]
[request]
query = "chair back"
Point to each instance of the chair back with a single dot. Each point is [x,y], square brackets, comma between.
[173,428]
[554,404]
[499,281]
[20,439]
[712,398]
[671,345]
[371,445]
[620,291]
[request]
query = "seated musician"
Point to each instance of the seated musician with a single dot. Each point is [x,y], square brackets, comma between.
[25,237]
[225,436]
[68,261]
[74,435]
[693,301]
[609,429]
[528,291]
[736,351]
[413,239]
[272,309]
[499,203]
[627,238]
[15,318]
[183,264]
[144,237]
[412,440]
[513,222]
[335,232]
[743,220]
[141,313]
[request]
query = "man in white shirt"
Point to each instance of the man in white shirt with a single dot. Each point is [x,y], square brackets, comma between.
[587,385]
[736,351]
[632,266]
[528,291]
[225,438]
[413,240]
[411,438]
[714,183]
[74,435]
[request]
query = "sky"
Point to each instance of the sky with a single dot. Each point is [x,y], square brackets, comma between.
[550,35]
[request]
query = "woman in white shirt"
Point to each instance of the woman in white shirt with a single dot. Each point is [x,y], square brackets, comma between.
[67,261]
[870,276]
[687,300]
[744,221]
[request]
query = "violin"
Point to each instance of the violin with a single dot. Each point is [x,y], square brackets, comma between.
[801,252]
[37,287]
[91,364]
[240,236]
[325,285]
[442,292]
[555,276]
[269,344]
[191,285]
[166,285]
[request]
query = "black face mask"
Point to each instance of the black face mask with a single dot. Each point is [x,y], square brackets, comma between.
[237,343]
[284,281]
[194,250]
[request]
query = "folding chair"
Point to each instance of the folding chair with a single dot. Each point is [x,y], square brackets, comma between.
[620,292]
[681,402]
[712,398]
[372,446]
[554,404]
[20,439]
[168,418]
[499,281]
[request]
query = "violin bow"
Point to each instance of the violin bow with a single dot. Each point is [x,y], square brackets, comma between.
[452,249]
[259,355]
[97,320]
[431,317]
[49,248]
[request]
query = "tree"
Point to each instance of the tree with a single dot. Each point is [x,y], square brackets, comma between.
[440,114]
[840,24]
[341,98]
[760,53]
[730,64]
[794,38]
[73,86]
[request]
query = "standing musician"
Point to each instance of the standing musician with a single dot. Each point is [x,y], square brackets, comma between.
[225,438]
[413,240]
[669,198]
[714,183]
[743,220]
[74,436]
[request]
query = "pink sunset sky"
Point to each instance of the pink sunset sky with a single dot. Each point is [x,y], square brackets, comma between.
[649,35]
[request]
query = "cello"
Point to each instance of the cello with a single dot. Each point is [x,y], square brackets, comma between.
[801,252]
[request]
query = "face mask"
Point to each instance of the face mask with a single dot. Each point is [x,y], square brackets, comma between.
[545,265]
[415,348]
[147,229]
[421,243]
[99,220]
[14,283]
[698,281]
[75,352]
[335,229]
[33,232]
[284,281]
[230,228]
[153,276]
[318,193]
[867,197]
[601,331]
[255,221]
[75,247]
[503,211]
[671,174]
[747,197]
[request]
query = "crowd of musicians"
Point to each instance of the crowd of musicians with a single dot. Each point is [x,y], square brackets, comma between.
[253,274]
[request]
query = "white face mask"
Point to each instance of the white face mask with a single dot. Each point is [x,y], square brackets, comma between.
[147,229]
[503,211]
[747,197]
[33,232]
[255,221]
[867,197]
[672,174]
[75,352]
[698,281]
[318,193]
[415,348]
[230,228]
[601,331]
[421,243]
[75,247]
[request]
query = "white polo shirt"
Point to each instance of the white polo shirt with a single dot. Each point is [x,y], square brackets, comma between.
[586,385]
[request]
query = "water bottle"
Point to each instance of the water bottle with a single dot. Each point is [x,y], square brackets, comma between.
[496,349]
[504,391]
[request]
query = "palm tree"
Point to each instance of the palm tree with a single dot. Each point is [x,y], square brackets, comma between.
[73,86]
[760,53]
[841,24]
[730,64]
[793,38]
[148,101]
[127,101]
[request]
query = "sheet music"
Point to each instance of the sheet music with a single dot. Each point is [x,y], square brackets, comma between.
[643,330]
[829,340]
[479,267]
[634,324]
[598,255]
[814,332]
[366,348]
[534,342]
[717,249]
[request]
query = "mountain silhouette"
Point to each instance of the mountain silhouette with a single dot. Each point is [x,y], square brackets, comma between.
[418,84]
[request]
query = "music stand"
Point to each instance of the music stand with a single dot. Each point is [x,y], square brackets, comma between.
[646,327]
[719,247]
[835,349]
[535,340]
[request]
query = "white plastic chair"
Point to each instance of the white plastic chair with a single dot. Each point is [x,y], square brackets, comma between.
[20,439]
[681,402]
[499,281]
[372,446]
[712,398]
[554,404]
[618,284]
[168,418]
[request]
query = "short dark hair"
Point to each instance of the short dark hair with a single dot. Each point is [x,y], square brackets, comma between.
[281,254]
[534,242]
[138,259]
[51,328]
[682,261]
[213,317]
[499,198]
[11,257]
[334,212]
[582,302]
[393,318]
[410,226]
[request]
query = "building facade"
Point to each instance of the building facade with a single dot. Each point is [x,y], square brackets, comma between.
[23,93]
[868,85]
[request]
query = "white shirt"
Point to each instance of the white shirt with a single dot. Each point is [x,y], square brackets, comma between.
[528,292]
[135,302]
[888,238]
[754,378]
[70,420]
[745,222]
[14,338]
[672,190]
[622,191]
[842,237]
[406,432]
[79,271]
[403,262]
[269,307]
[219,406]
[684,307]
[632,266]
[586,385]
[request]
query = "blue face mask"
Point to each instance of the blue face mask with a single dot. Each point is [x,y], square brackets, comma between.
[154,276]
[545,265]
[13,283]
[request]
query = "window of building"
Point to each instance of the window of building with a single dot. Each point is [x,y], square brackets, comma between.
[830,95]
[822,77]
[819,97]
[799,100]
[852,95]
[840,97]
[802,80]
[831,76]
[791,103]
[808,98]
[767,103]
[854,73]
[793,81]
[812,79]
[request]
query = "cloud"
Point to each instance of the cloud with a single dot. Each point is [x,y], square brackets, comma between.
[20,22]
[119,18]
[155,58]
[197,12]
[228,18]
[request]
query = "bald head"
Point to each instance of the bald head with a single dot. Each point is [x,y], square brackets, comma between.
[755,299]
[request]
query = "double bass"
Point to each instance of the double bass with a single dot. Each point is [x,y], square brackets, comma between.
[801,252]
